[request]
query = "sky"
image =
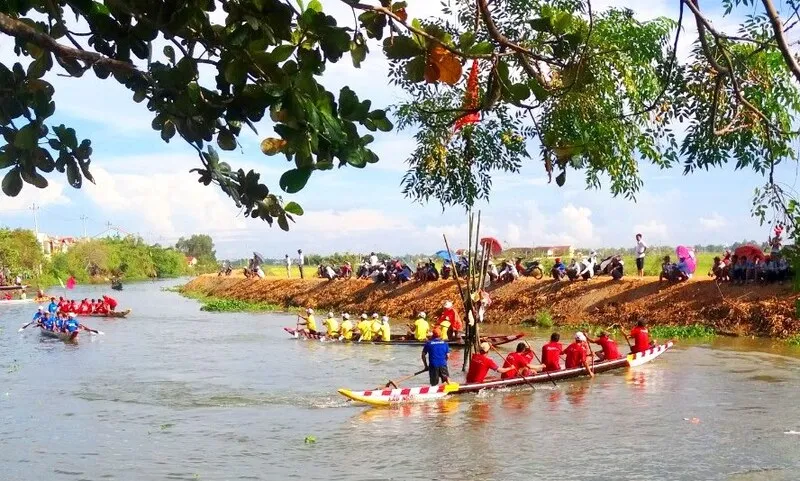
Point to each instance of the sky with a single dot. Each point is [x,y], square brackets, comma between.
[143,185]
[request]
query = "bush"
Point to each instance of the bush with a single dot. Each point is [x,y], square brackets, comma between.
[681,332]
[214,304]
[544,319]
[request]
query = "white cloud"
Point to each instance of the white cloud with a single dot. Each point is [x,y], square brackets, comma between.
[713,222]
[333,224]
[652,231]
[52,195]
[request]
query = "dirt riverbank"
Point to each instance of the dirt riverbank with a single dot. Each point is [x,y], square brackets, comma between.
[744,310]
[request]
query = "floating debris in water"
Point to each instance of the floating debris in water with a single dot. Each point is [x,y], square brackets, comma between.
[310,439]
[692,420]
[791,432]
[166,426]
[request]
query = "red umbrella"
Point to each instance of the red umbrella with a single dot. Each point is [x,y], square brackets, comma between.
[749,251]
[492,244]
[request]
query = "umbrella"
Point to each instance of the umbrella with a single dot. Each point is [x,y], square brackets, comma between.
[443,255]
[688,254]
[492,244]
[258,257]
[749,251]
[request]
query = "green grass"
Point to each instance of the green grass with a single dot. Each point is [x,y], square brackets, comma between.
[694,331]
[794,340]
[236,305]
[544,319]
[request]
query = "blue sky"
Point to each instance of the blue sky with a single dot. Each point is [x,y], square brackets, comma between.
[143,187]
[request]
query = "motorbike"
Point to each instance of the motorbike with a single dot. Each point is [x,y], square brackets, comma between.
[446,271]
[225,270]
[611,266]
[532,269]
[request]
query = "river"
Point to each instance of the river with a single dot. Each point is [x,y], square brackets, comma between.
[176,393]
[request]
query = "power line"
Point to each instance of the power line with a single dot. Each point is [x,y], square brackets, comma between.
[84,219]
[35,208]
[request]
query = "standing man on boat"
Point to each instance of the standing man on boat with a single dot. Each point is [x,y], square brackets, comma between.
[641,249]
[301,260]
[310,321]
[578,354]
[610,351]
[551,353]
[480,363]
[421,328]
[641,338]
[110,302]
[438,353]
[53,306]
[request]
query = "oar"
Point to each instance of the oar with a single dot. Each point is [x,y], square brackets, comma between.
[395,383]
[297,326]
[506,360]
[93,331]
[25,326]
[540,362]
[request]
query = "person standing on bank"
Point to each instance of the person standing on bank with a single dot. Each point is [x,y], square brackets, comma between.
[300,262]
[288,266]
[641,249]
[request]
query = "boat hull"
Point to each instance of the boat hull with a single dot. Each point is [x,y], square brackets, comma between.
[15,301]
[388,397]
[12,288]
[400,340]
[61,336]
[117,314]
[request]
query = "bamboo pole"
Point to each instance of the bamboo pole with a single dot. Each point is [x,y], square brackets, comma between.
[463,302]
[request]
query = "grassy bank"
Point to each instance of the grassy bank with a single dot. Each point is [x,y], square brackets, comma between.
[219,304]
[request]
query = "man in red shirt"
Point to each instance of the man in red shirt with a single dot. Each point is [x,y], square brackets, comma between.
[610,350]
[111,302]
[641,339]
[551,353]
[519,363]
[577,354]
[480,363]
[451,319]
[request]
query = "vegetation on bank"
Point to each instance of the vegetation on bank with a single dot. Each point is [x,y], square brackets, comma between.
[97,260]
[220,304]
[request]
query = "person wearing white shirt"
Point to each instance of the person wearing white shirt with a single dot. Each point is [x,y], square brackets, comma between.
[300,262]
[288,266]
[641,249]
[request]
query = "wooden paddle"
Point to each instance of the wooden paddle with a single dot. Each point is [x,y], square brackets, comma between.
[506,360]
[93,331]
[540,362]
[395,383]
[25,326]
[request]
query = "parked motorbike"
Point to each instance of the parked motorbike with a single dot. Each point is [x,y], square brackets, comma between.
[532,269]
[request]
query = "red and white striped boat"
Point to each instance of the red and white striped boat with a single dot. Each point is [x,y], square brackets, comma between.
[387,397]
[402,339]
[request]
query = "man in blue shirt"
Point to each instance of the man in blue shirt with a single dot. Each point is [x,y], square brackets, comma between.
[438,352]
[72,323]
[53,307]
[47,321]
[38,314]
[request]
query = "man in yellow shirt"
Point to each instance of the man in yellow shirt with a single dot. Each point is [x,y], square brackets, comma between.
[346,329]
[332,326]
[375,326]
[310,322]
[365,328]
[386,329]
[421,328]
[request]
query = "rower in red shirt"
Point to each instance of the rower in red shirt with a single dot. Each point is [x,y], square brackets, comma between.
[641,338]
[551,353]
[610,351]
[62,304]
[100,308]
[84,307]
[577,354]
[480,363]
[520,363]
[111,302]
[449,321]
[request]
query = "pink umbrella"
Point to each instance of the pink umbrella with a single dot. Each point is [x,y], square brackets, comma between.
[688,254]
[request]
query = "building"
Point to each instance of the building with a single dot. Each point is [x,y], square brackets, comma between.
[55,245]
[191,261]
[553,251]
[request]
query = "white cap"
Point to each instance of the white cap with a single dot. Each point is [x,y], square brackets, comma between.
[385,318]
[345,316]
[71,315]
[330,313]
[375,315]
[41,308]
[485,346]
[364,316]
[309,311]
[448,304]
[579,336]
[422,315]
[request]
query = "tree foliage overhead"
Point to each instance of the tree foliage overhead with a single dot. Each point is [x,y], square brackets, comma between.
[596,91]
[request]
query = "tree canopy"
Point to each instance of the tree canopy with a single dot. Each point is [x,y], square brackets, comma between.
[597,91]
[199,246]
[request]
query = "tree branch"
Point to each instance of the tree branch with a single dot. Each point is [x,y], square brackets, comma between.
[14,28]
[495,33]
[777,28]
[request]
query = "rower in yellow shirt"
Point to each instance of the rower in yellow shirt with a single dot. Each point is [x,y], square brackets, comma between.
[386,329]
[346,329]
[332,326]
[310,321]
[365,328]
[421,328]
[375,326]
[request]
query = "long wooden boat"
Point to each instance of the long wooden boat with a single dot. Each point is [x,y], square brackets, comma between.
[61,336]
[13,288]
[388,397]
[401,339]
[115,314]
[12,302]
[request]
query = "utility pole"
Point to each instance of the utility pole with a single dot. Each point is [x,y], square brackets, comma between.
[84,219]
[35,208]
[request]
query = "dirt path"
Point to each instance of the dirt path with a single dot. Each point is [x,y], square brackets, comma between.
[750,309]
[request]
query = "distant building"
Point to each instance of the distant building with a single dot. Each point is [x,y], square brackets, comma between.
[553,251]
[55,245]
[191,261]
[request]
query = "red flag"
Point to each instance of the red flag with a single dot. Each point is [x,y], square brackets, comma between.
[470,99]
[71,282]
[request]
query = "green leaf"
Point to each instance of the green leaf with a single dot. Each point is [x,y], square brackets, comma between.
[561,178]
[283,222]
[519,92]
[315,6]
[27,137]
[466,40]
[236,72]
[415,69]
[538,91]
[358,53]
[481,48]
[226,140]
[561,22]
[293,181]
[34,178]
[74,174]
[401,47]
[168,131]
[12,182]
[6,160]
[293,208]
[139,95]
[541,24]
[169,52]
[281,53]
